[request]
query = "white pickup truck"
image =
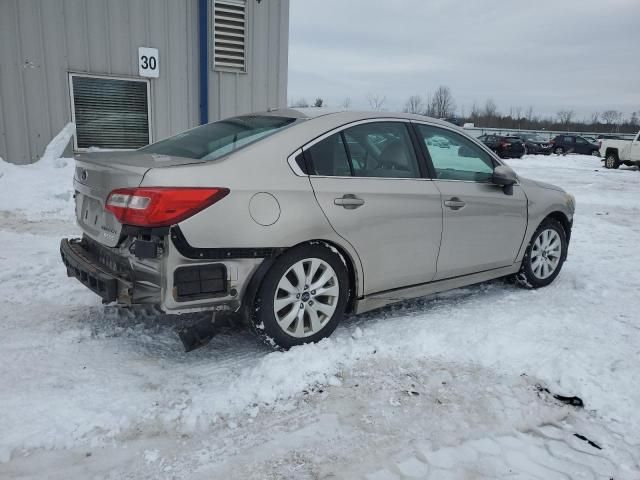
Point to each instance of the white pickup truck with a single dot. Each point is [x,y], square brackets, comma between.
[620,152]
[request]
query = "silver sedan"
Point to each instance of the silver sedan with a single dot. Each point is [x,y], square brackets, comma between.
[294,218]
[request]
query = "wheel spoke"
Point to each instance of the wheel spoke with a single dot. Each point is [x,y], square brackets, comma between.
[316,325]
[280,303]
[322,281]
[325,308]
[299,331]
[287,286]
[330,291]
[286,321]
[301,276]
[313,269]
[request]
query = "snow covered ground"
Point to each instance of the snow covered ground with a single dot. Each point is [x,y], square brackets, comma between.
[441,387]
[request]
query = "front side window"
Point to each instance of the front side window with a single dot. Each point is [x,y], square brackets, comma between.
[581,141]
[567,139]
[457,159]
[214,140]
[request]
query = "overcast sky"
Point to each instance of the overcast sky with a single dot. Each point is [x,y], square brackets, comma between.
[562,54]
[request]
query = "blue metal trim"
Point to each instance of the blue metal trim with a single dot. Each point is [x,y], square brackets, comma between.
[203,44]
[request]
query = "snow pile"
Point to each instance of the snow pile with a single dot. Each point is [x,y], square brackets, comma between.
[43,189]
[76,374]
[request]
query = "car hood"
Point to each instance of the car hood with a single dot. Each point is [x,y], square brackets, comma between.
[536,183]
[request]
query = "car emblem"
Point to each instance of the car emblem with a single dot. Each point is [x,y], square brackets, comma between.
[84,175]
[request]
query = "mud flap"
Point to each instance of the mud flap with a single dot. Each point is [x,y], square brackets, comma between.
[199,334]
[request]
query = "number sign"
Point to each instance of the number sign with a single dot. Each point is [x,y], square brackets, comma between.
[148,62]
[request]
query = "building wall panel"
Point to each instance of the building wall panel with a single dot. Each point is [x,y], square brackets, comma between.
[41,41]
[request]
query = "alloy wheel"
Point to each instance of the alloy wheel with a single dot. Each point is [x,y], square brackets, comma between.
[546,253]
[610,162]
[306,297]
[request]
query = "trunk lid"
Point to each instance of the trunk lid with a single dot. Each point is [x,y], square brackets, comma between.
[98,174]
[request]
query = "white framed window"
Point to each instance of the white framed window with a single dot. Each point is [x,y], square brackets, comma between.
[229,35]
[110,112]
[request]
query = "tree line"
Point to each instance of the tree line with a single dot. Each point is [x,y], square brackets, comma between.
[441,104]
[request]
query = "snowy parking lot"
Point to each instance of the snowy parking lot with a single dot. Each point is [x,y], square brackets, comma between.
[457,385]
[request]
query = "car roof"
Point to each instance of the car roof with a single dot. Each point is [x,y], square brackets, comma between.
[349,115]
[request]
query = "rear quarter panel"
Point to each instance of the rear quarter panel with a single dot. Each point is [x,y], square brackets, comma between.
[257,169]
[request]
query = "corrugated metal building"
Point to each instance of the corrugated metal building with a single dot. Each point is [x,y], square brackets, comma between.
[85,60]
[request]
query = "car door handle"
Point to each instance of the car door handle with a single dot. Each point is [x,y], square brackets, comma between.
[349,201]
[454,203]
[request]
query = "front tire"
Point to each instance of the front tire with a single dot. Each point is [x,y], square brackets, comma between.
[544,257]
[302,297]
[611,161]
[559,151]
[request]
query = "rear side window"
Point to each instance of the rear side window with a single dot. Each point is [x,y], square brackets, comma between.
[214,140]
[567,139]
[329,157]
[382,149]
[376,149]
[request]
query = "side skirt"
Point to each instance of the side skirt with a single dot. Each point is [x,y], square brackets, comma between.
[382,299]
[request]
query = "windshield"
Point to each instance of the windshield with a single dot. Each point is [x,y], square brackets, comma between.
[214,140]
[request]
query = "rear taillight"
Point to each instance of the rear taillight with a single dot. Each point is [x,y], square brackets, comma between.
[160,206]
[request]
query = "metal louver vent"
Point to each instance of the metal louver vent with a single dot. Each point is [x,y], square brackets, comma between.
[229,29]
[109,112]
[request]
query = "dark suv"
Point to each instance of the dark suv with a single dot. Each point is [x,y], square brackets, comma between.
[535,144]
[505,147]
[574,144]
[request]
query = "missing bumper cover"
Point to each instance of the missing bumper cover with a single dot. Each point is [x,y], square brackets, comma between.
[200,281]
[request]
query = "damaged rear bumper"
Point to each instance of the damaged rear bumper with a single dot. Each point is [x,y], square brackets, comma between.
[84,265]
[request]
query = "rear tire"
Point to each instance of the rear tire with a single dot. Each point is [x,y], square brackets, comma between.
[611,161]
[595,153]
[544,256]
[559,151]
[302,297]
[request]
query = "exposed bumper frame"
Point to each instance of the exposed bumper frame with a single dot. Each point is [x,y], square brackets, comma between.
[84,266]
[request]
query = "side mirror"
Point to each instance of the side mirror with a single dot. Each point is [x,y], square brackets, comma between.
[505,177]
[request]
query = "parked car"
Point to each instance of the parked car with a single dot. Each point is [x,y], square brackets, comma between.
[535,144]
[278,217]
[620,152]
[505,147]
[562,144]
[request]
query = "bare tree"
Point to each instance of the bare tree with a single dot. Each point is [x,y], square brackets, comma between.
[565,117]
[633,119]
[346,103]
[490,109]
[376,101]
[414,104]
[517,113]
[475,112]
[442,103]
[529,114]
[595,118]
[611,117]
[318,103]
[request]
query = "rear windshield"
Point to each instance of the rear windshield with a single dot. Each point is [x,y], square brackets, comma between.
[214,140]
